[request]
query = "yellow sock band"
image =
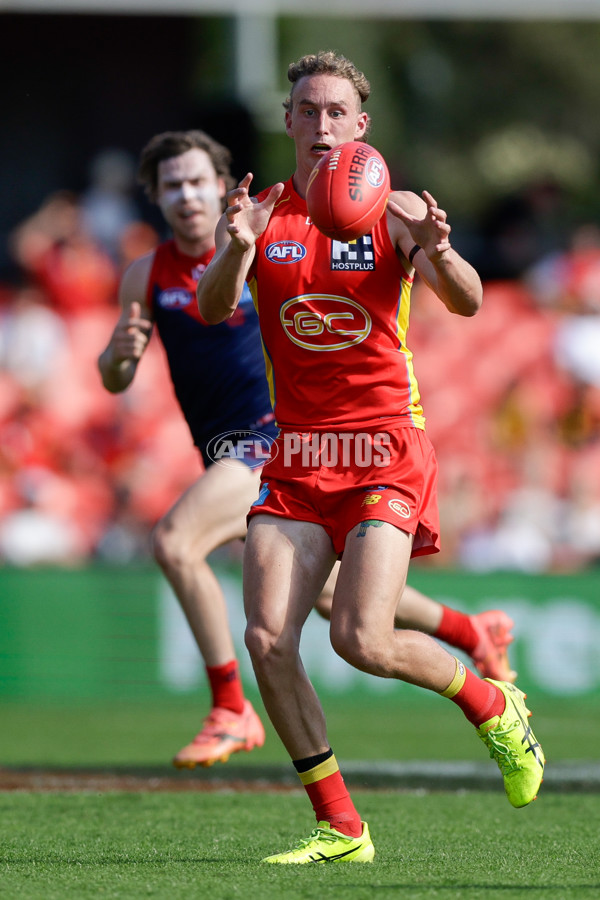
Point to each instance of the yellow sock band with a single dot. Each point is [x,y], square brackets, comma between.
[457,682]
[321,771]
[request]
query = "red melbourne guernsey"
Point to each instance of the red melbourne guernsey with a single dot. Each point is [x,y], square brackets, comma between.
[333,319]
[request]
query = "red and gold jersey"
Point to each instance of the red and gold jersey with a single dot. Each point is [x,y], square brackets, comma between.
[333,319]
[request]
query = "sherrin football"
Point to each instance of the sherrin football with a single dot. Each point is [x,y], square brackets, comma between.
[348,191]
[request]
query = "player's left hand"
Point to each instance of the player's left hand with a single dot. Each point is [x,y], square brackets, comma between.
[430,231]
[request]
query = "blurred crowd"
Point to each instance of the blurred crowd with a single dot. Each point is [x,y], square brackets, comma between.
[512,396]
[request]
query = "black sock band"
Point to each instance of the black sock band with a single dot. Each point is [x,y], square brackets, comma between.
[303,765]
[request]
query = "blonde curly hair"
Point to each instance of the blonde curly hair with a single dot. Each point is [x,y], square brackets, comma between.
[327,62]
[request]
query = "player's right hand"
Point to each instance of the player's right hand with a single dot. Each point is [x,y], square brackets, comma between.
[247,219]
[131,334]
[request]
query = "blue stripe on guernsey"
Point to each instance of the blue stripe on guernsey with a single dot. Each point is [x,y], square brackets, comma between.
[264,493]
[218,371]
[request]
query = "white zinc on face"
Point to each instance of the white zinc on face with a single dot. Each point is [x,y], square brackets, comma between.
[188,185]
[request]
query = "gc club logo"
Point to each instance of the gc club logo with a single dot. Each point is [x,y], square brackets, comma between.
[400,507]
[253,448]
[324,322]
[285,252]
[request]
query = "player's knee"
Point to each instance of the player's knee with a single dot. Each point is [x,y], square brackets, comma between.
[260,642]
[168,546]
[268,649]
[323,605]
[354,646]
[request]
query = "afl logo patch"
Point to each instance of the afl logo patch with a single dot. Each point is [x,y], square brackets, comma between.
[324,322]
[174,298]
[375,171]
[285,252]
[400,507]
[253,448]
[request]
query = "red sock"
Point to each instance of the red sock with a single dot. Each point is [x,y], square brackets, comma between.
[226,686]
[478,699]
[328,794]
[455,629]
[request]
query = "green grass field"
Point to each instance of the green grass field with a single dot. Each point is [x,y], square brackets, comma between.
[360,727]
[452,843]
[438,845]
[436,835]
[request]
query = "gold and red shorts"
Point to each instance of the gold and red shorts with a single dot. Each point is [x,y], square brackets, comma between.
[338,479]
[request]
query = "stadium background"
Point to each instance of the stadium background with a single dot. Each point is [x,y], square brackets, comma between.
[512,396]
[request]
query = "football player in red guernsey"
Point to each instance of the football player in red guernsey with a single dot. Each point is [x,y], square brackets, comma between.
[218,374]
[353,473]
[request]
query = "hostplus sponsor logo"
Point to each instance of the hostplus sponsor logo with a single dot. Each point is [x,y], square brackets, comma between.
[353,256]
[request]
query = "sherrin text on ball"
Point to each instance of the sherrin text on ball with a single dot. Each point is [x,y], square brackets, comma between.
[348,191]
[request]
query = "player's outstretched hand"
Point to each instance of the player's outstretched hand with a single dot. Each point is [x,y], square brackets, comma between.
[247,219]
[430,231]
[131,335]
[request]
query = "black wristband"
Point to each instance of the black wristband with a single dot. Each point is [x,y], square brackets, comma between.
[413,253]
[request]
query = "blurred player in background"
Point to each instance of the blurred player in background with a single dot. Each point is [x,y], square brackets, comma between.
[219,381]
[309,512]
[218,373]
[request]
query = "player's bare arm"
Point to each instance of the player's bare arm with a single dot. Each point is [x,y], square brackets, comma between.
[128,342]
[415,221]
[220,288]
